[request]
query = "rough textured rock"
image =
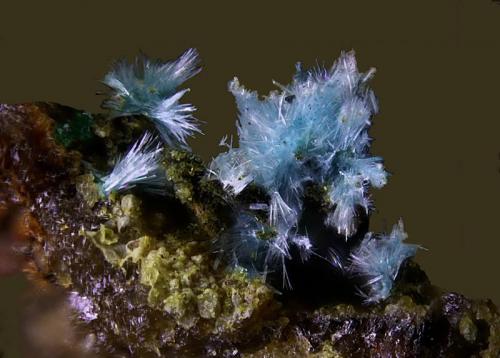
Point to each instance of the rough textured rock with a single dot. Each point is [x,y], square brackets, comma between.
[142,277]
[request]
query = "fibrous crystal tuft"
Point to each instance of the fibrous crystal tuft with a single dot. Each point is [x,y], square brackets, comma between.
[150,88]
[314,130]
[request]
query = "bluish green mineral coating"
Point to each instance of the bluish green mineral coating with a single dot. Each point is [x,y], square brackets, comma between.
[77,129]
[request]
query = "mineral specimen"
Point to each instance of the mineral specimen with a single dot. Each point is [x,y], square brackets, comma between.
[265,252]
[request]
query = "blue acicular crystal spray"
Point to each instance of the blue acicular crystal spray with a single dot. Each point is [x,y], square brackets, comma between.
[311,132]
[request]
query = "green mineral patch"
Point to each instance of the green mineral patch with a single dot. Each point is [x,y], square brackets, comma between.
[180,274]
[77,129]
[183,168]
[467,328]
[484,311]
[137,249]
[183,283]
[126,211]
[205,198]
[104,236]
[296,345]
[406,304]
[88,189]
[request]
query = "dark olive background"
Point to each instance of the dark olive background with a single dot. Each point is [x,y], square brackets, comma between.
[438,75]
